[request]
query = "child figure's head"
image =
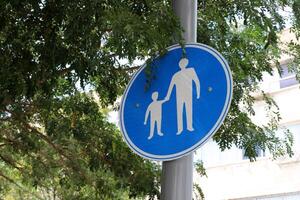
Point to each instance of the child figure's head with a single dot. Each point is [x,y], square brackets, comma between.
[154,96]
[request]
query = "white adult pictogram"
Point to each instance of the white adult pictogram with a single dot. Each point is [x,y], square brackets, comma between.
[155,111]
[183,80]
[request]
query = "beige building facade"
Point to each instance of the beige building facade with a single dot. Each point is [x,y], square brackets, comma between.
[231,176]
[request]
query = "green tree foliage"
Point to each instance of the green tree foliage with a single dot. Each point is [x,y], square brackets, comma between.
[55,139]
[53,135]
[246,33]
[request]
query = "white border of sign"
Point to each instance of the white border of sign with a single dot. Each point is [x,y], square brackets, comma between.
[217,125]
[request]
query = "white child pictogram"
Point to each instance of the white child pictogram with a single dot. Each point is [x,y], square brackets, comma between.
[155,111]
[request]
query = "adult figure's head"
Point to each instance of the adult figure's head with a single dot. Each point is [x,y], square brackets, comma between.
[183,63]
[154,96]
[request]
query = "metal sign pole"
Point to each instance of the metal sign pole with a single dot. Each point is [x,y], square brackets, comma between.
[177,175]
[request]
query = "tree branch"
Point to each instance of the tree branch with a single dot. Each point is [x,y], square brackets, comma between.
[18,185]
[62,154]
[130,69]
[59,150]
[11,162]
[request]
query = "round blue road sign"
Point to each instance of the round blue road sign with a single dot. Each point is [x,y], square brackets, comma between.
[185,103]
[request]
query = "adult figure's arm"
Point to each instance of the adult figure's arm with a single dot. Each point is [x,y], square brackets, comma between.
[197,83]
[146,115]
[170,89]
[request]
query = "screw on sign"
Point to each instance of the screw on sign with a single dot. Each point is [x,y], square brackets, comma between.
[183,107]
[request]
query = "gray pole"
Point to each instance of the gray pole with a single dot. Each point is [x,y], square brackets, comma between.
[177,175]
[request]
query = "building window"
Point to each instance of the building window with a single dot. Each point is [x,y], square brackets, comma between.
[259,153]
[287,78]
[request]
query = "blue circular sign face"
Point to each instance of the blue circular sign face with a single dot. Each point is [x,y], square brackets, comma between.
[184,105]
